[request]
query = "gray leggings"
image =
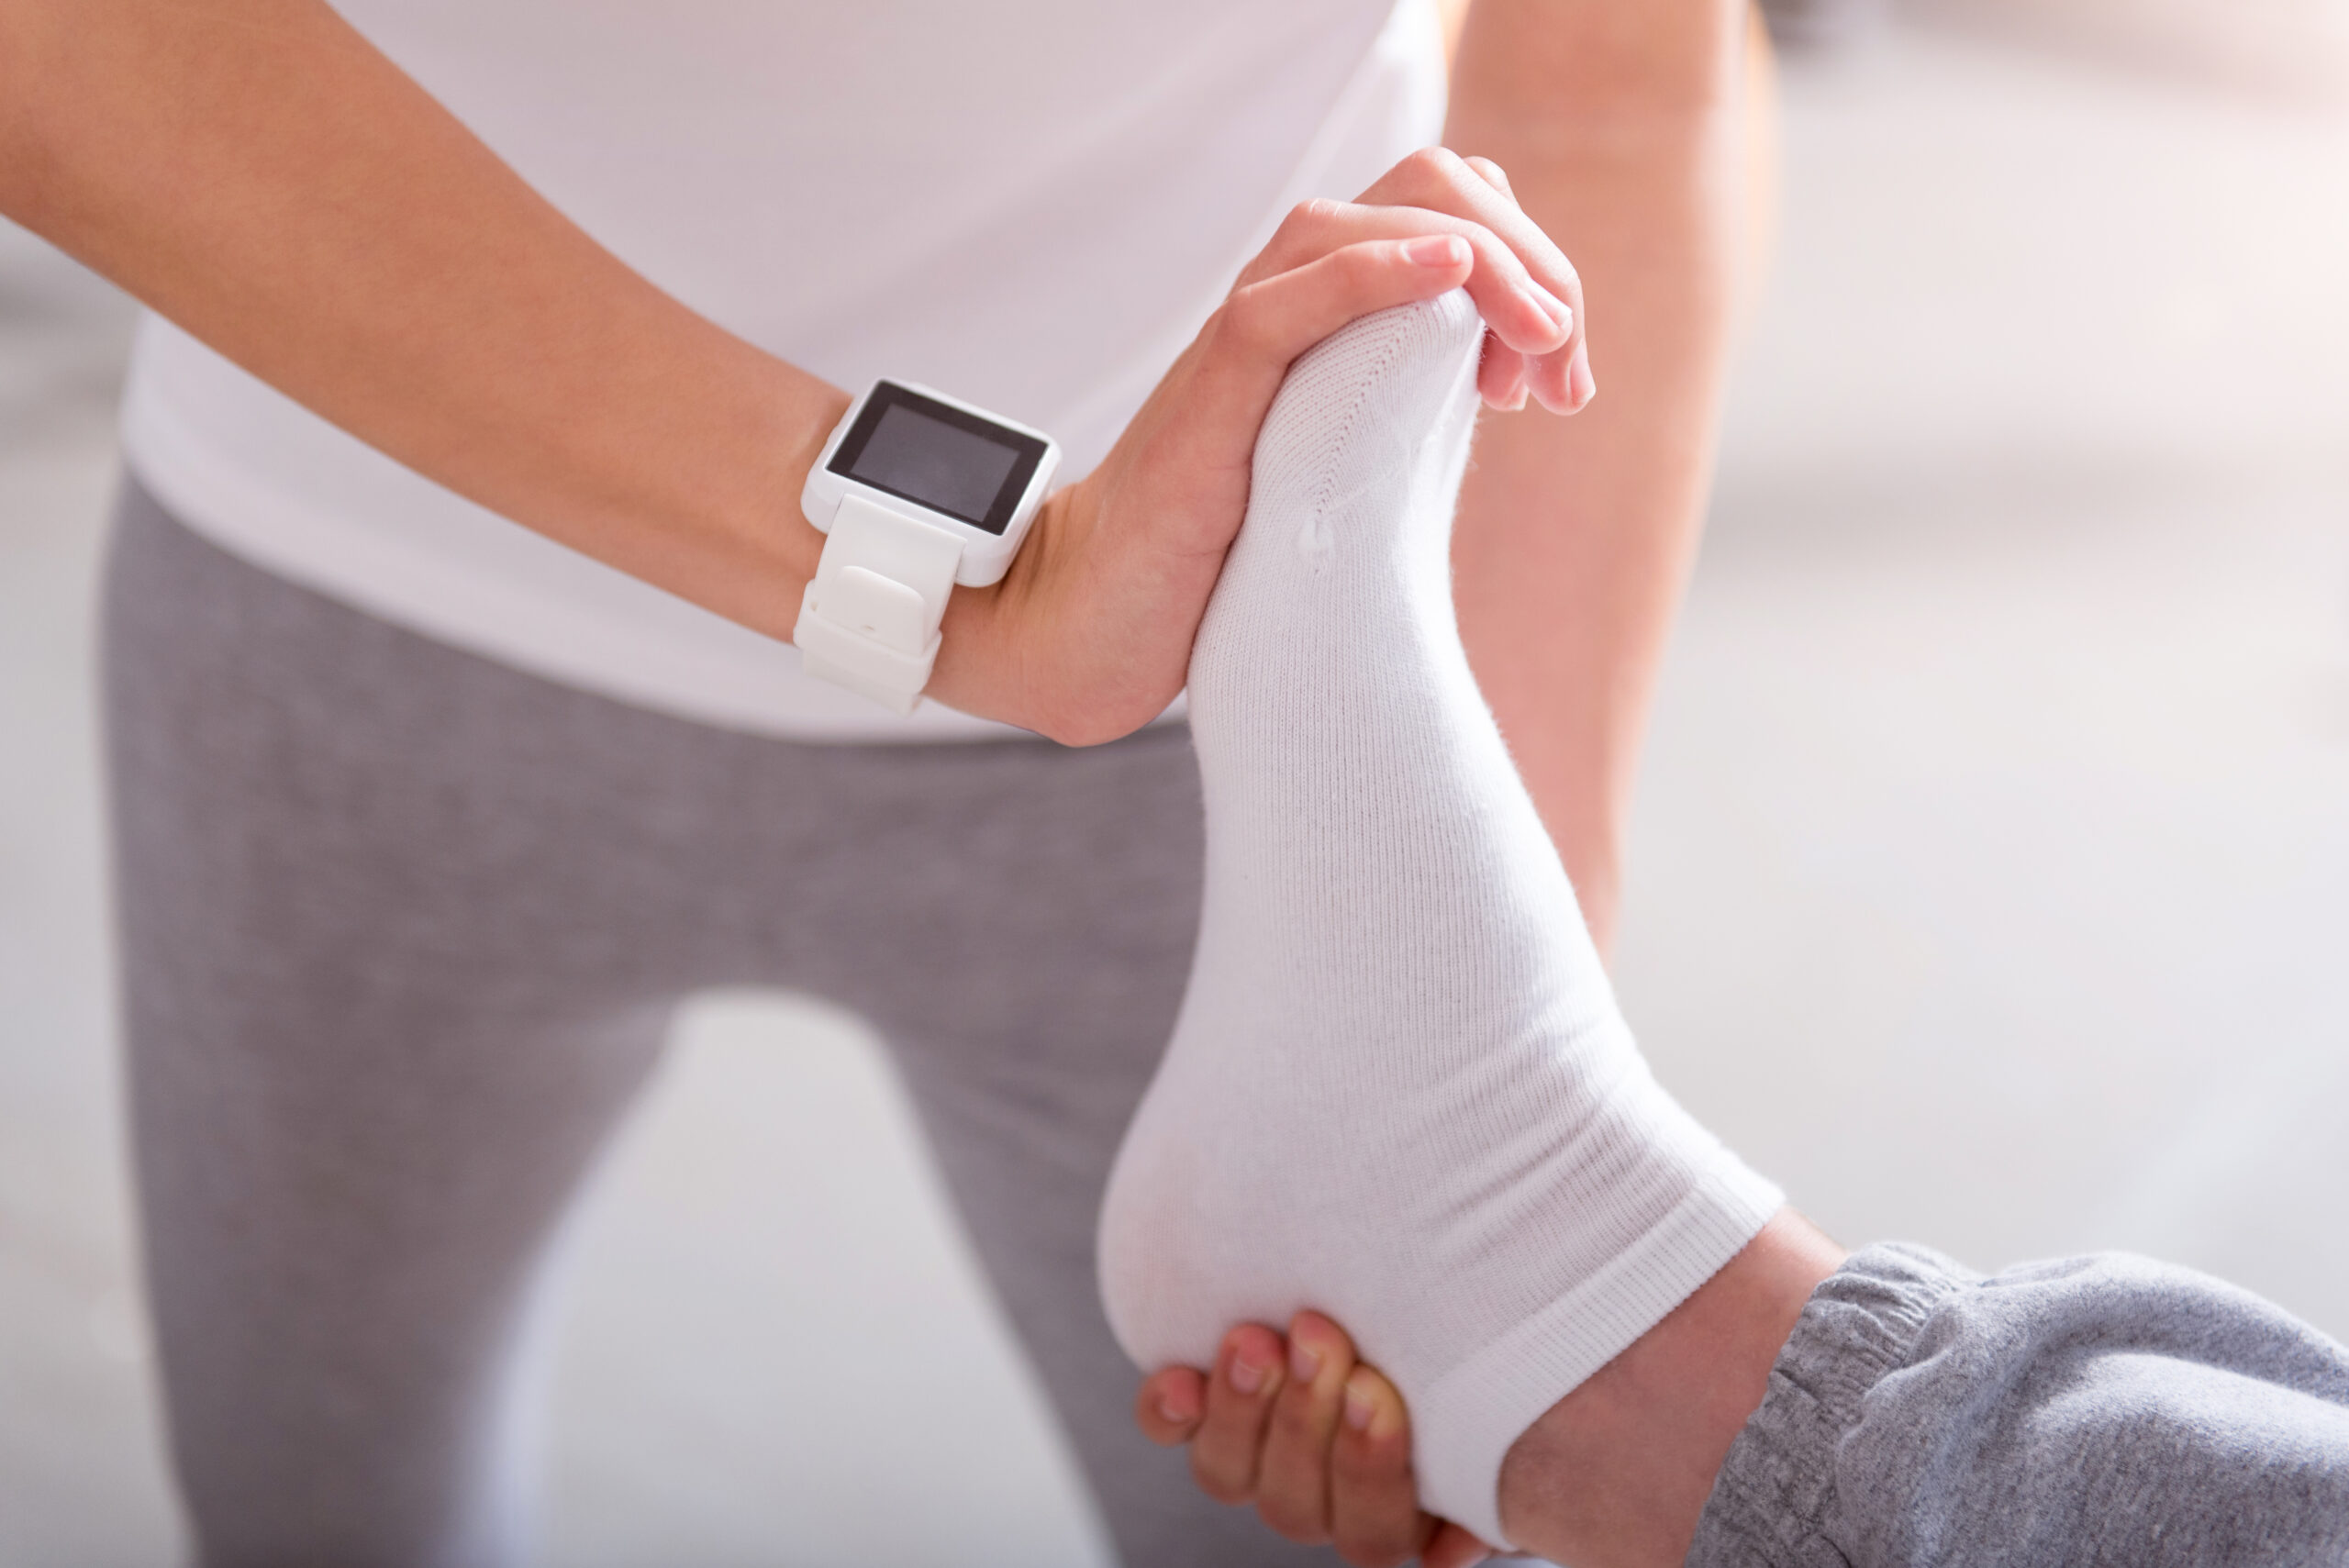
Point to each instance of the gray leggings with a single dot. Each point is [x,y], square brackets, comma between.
[401,931]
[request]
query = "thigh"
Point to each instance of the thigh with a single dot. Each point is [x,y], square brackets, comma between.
[1040,917]
[383,1002]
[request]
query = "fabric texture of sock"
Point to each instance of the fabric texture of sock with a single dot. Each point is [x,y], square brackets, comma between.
[1399,1091]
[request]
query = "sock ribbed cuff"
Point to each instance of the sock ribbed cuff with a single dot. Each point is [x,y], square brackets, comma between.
[1463,1427]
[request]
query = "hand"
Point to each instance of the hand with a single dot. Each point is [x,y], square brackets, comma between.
[1088,637]
[1320,1442]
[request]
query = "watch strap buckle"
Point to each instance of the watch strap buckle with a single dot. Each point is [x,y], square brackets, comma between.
[868,619]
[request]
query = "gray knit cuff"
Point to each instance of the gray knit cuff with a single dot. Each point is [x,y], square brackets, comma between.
[1769,1507]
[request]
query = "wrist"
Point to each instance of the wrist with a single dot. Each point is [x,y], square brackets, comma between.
[920,499]
[990,663]
[770,513]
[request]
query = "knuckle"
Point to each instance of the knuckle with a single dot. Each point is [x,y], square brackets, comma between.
[1489,245]
[1244,321]
[1437,163]
[1360,266]
[1228,332]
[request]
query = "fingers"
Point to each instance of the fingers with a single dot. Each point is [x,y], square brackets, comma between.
[1293,1484]
[1500,375]
[1490,172]
[1521,311]
[1170,1404]
[1524,288]
[1476,188]
[1294,308]
[1319,1441]
[1334,263]
[1190,447]
[1263,326]
[1239,1397]
[1375,1510]
[1556,373]
[1454,1548]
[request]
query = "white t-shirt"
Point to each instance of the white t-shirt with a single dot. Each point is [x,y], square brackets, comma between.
[1032,205]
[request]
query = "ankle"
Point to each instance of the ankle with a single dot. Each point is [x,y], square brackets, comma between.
[1616,1473]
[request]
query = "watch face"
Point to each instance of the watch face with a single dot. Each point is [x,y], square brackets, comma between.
[937,456]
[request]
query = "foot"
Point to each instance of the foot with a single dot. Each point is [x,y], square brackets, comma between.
[1614,1476]
[1399,1091]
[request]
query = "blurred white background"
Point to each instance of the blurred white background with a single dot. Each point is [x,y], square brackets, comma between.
[1990,884]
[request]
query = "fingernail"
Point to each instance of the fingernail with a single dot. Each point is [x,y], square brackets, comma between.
[1358,1407]
[1169,1414]
[1437,251]
[1302,1363]
[1246,1376]
[1586,386]
[1553,307]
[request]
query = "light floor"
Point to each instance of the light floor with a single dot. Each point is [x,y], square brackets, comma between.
[1990,888]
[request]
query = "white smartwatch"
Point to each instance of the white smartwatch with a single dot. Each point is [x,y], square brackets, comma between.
[918,491]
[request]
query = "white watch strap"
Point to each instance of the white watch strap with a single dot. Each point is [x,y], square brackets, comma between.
[869,621]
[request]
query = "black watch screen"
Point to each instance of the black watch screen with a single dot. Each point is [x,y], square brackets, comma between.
[937,456]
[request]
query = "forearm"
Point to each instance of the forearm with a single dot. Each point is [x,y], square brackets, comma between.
[1621,128]
[257,173]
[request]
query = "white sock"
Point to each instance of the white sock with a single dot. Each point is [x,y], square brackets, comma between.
[1399,1091]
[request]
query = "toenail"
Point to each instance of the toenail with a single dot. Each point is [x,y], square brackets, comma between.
[1358,1408]
[1302,1363]
[1246,1376]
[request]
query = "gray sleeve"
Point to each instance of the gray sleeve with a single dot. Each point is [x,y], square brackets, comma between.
[2100,1410]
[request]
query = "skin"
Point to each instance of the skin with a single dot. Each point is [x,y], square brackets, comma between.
[1630,132]
[259,174]
[1643,134]
[1613,1475]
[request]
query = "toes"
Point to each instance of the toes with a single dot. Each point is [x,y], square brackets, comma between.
[1239,1397]
[1170,1404]
[1293,1487]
